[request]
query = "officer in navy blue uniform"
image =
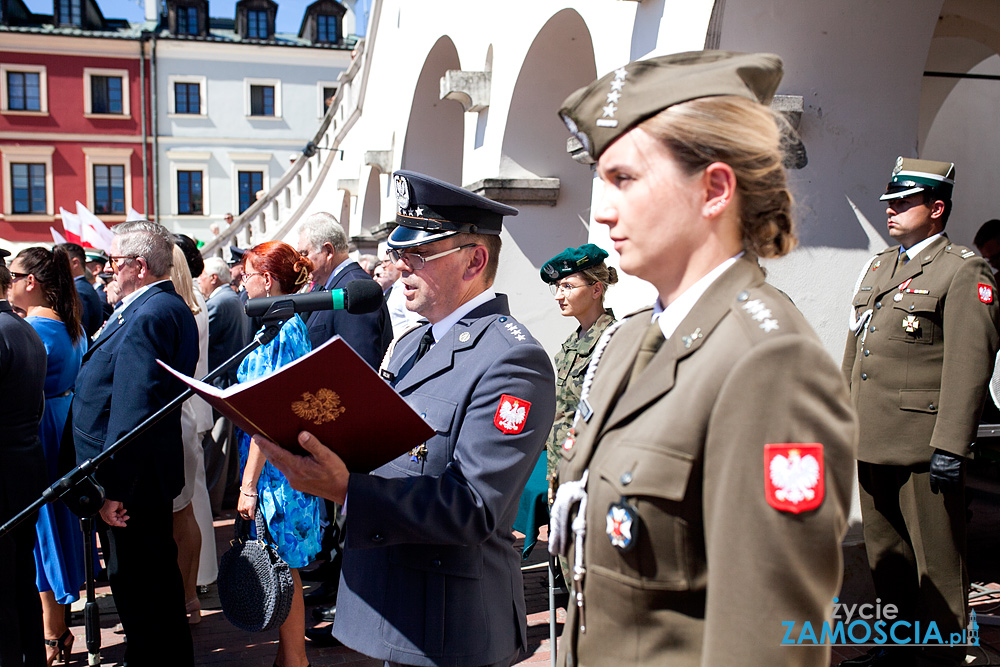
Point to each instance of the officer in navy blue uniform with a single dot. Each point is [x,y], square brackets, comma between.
[430,575]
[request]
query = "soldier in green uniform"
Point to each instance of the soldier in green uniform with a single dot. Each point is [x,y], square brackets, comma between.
[578,279]
[920,350]
[704,495]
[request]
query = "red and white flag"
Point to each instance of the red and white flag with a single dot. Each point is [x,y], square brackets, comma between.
[72,227]
[94,233]
[57,238]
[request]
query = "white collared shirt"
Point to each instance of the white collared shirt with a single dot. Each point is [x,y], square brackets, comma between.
[127,300]
[914,251]
[340,267]
[442,327]
[671,317]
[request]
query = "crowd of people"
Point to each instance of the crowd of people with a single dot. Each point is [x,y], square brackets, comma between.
[701,452]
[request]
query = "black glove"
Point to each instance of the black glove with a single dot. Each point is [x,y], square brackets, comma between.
[946,471]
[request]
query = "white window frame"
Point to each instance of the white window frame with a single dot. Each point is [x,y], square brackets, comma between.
[190,161]
[274,83]
[30,155]
[123,74]
[320,85]
[202,96]
[43,89]
[95,155]
[249,162]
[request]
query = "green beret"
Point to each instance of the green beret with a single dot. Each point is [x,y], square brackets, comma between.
[911,176]
[572,260]
[611,106]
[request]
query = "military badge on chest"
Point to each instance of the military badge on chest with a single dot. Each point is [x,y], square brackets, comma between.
[793,476]
[622,525]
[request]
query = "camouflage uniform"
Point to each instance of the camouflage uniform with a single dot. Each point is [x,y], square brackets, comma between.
[571,366]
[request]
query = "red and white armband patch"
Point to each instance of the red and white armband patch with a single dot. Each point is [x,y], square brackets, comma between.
[511,414]
[793,476]
[985,293]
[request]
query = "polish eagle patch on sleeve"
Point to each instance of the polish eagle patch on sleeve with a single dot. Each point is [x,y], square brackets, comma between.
[511,414]
[793,476]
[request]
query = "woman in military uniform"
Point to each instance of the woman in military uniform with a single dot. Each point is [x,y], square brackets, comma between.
[578,279]
[712,454]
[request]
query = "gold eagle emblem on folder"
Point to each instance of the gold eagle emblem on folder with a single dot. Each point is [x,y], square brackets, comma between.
[320,408]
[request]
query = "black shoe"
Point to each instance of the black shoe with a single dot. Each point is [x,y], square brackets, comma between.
[324,614]
[322,636]
[325,593]
[330,570]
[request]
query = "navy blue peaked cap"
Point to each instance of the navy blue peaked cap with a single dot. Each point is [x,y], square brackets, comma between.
[428,210]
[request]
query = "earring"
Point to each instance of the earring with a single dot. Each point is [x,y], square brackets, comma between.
[717,207]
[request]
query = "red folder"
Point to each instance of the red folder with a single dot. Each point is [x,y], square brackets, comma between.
[330,392]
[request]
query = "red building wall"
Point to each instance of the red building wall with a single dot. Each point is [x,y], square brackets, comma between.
[68,129]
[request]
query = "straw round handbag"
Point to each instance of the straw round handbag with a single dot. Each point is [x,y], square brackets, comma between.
[255,584]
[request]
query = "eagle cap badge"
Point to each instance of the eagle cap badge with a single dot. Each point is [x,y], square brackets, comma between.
[511,414]
[793,476]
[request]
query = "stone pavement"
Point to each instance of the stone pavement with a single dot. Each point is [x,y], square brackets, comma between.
[218,643]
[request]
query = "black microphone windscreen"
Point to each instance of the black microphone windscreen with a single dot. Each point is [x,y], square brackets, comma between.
[363,296]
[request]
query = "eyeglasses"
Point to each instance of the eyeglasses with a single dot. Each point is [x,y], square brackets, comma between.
[247,276]
[566,287]
[116,264]
[416,261]
[17,276]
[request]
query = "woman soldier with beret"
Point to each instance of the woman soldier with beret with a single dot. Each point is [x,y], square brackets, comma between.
[578,279]
[712,451]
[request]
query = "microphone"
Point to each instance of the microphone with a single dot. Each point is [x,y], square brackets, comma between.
[358,297]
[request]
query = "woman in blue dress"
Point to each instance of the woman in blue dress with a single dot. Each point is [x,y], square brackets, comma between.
[272,269]
[48,295]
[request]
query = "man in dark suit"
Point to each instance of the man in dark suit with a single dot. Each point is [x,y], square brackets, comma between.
[228,333]
[120,385]
[324,242]
[92,312]
[430,574]
[22,480]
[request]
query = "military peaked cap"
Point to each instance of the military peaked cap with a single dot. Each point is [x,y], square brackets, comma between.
[911,176]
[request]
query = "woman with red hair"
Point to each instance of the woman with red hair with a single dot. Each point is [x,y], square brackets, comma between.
[272,269]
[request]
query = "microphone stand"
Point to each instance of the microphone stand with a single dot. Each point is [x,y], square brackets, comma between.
[85,496]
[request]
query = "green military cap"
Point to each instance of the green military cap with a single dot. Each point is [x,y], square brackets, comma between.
[611,106]
[572,260]
[911,176]
[95,255]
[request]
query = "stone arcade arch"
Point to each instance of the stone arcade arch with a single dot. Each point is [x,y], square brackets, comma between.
[958,116]
[436,128]
[560,60]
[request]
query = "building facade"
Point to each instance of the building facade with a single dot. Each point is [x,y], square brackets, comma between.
[220,105]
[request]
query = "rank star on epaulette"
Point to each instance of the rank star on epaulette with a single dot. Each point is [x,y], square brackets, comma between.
[762,314]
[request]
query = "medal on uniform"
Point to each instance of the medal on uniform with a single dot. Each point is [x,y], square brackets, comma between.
[622,525]
[569,441]
[911,324]
[418,454]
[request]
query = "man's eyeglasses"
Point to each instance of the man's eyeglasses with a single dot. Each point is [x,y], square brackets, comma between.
[116,261]
[565,287]
[416,261]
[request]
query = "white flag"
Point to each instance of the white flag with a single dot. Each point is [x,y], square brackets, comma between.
[94,232]
[57,238]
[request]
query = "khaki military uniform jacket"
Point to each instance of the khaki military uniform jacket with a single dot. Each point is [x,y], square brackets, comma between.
[715,569]
[920,366]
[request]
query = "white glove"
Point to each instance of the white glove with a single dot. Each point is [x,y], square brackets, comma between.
[560,531]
